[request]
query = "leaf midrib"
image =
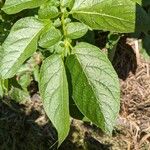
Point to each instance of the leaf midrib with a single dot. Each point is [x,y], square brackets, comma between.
[102,15]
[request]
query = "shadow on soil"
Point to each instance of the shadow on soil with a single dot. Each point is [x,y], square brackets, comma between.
[25,127]
[19,130]
[125,60]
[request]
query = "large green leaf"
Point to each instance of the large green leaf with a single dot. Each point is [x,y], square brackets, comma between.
[15,6]
[95,85]
[54,92]
[111,15]
[20,44]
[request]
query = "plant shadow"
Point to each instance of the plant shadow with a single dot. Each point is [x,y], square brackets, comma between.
[26,127]
[125,60]
[81,138]
[126,55]
[146,35]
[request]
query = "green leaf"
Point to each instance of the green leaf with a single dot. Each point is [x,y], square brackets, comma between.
[89,37]
[47,11]
[145,3]
[54,92]
[142,20]
[74,111]
[57,23]
[145,47]
[85,119]
[107,15]
[67,3]
[54,2]
[36,73]
[76,30]
[1,50]
[138,1]
[25,80]
[15,6]
[1,88]
[50,38]
[112,45]
[95,85]
[19,95]
[20,44]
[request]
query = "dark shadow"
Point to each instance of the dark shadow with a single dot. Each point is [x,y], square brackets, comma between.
[146,37]
[70,143]
[83,140]
[22,127]
[146,3]
[25,127]
[94,144]
[33,87]
[74,111]
[142,19]
[142,27]
[101,39]
[124,60]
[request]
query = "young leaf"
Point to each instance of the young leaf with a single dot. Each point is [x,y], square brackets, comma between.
[54,92]
[54,2]
[25,80]
[20,44]
[108,15]
[47,11]
[76,30]
[67,3]
[19,95]
[112,45]
[15,6]
[50,38]
[95,85]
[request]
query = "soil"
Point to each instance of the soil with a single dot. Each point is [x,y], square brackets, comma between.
[26,127]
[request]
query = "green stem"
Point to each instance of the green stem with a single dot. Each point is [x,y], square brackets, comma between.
[63,23]
[68,46]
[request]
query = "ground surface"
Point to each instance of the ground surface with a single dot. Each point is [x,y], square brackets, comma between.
[25,126]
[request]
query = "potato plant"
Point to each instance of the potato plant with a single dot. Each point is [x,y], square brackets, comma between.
[75,78]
